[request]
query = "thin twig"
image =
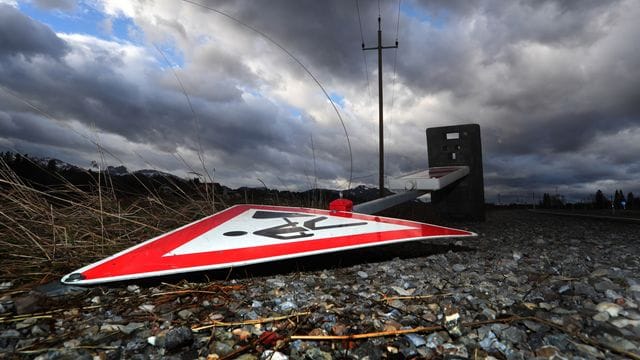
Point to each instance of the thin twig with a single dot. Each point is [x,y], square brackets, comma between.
[416,297]
[584,339]
[368,335]
[250,322]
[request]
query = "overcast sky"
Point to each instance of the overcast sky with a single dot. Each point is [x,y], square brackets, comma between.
[554,85]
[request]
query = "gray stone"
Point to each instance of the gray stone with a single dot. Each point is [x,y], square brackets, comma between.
[26,323]
[57,290]
[273,355]
[612,309]
[368,350]
[581,288]
[287,306]
[435,339]
[458,267]
[177,338]
[621,323]
[39,331]
[247,357]
[135,345]
[589,350]
[316,354]
[599,272]
[362,274]
[10,333]
[606,284]
[131,327]
[564,288]
[27,304]
[416,340]
[185,314]
[489,313]
[561,341]
[221,348]
[601,316]
[611,294]
[514,335]
[488,340]
[109,328]
[533,325]
[454,351]
[5,285]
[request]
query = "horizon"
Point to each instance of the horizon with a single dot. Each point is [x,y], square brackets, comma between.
[506,199]
[174,86]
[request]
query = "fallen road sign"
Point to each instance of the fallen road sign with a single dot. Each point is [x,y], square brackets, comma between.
[251,234]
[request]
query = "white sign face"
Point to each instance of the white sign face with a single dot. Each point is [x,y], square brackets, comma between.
[260,227]
[250,234]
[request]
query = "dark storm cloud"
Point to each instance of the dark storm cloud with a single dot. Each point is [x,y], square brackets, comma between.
[97,94]
[20,34]
[324,35]
[30,128]
[247,133]
[554,85]
[557,75]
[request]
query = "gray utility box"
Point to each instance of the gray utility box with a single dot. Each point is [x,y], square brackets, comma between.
[458,145]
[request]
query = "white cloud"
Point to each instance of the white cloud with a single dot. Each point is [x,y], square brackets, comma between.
[552,85]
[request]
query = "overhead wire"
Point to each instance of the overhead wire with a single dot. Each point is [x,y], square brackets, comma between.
[364,56]
[201,154]
[60,122]
[281,47]
[395,62]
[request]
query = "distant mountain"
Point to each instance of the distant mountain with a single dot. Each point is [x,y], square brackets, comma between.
[56,164]
[154,173]
[47,173]
[122,171]
[116,170]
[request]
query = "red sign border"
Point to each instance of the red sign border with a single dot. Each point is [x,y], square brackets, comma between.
[146,259]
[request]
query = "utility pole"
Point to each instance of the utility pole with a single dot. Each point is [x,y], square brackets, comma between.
[381,129]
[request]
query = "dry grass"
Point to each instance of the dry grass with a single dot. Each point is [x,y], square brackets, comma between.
[47,233]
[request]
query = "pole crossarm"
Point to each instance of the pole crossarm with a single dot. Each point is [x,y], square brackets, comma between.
[379,48]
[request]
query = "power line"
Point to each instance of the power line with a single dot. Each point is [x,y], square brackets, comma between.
[398,20]
[395,60]
[281,47]
[364,56]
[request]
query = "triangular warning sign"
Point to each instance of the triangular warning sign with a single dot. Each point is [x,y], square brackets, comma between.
[250,234]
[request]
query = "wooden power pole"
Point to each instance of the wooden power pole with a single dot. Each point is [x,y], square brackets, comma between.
[380,116]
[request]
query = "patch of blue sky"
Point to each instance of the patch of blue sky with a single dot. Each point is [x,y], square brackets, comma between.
[122,28]
[294,112]
[88,20]
[84,19]
[81,20]
[171,56]
[436,20]
[251,91]
[337,98]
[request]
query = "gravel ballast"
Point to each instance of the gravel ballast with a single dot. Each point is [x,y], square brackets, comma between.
[530,286]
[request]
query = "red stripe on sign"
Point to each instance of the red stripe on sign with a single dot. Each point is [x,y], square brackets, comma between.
[149,257]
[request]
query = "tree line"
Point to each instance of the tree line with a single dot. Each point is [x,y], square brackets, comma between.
[600,201]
